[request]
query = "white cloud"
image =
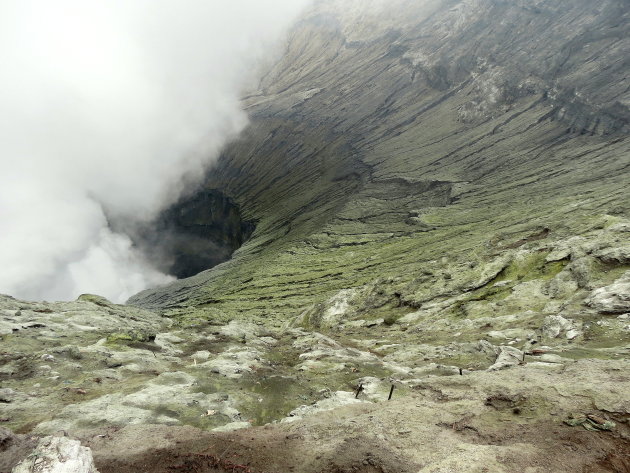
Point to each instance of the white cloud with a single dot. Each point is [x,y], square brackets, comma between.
[113,105]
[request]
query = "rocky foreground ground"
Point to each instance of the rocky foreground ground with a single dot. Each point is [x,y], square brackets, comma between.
[517,363]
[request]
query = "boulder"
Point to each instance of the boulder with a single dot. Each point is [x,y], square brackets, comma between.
[507,356]
[612,299]
[240,331]
[620,227]
[338,308]
[58,455]
[555,326]
[615,255]
[200,356]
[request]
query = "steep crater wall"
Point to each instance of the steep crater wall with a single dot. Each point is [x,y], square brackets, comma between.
[383,142]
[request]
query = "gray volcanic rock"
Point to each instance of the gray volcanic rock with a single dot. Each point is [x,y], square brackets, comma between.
[556,325]
[613,299]
[58,455]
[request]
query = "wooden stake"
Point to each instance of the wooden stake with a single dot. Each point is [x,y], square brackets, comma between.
[391,392]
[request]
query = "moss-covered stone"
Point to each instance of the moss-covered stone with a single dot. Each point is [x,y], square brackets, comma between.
[130,336]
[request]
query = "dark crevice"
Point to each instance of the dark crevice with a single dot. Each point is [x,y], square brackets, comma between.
[195,234]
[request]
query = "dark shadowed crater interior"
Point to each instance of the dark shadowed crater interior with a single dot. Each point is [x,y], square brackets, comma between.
[196,234]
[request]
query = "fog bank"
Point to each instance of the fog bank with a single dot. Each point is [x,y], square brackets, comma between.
[113,108]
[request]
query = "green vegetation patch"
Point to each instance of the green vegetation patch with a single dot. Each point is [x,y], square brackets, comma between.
[130,337]
[532,266]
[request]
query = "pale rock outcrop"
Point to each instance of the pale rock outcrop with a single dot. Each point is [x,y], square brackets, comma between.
[58,455]
[555,326]
[88,314]
[507,356]
[621,227]
[167,341]
[338,308]
[614,255]
[200,356]
[612,299]
[240,331]
[336,399]
[176,391]
[234,362]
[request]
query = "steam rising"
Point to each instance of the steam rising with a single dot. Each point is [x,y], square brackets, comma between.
[113,108]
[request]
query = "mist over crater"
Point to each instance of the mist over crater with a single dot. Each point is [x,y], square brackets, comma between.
[110,112]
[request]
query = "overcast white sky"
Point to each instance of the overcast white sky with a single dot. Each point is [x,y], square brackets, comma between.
[113,104]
